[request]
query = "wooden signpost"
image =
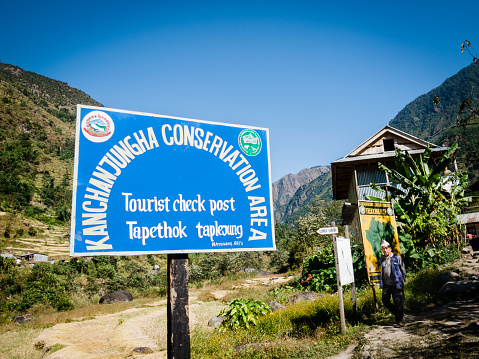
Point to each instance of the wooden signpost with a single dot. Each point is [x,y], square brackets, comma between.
[340,288]
[178,318]
[344,269]
[154,184]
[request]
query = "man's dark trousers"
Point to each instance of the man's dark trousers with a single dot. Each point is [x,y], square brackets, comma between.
[398,299]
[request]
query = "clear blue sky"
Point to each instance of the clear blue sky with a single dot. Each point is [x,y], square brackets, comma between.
[322,77]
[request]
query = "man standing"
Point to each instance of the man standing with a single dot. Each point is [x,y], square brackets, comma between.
[393,275]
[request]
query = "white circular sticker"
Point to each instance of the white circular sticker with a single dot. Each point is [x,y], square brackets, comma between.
[97,126]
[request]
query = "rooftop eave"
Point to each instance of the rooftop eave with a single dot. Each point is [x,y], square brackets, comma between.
[388,154]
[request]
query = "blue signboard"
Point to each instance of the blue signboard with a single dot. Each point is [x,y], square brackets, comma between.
[146,183]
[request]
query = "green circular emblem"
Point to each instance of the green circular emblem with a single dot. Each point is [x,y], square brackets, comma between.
[250,142]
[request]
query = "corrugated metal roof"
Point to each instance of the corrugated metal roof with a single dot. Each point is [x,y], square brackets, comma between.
[367,176]
[468,218]
[389,154]
[368,191]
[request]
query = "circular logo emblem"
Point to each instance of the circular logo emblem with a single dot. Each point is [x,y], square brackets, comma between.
[250,142]
[97,126]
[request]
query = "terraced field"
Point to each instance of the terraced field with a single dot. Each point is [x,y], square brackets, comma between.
[53,242]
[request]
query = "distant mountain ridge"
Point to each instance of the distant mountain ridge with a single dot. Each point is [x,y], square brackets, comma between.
[285,188]
[294,190]
[421,118]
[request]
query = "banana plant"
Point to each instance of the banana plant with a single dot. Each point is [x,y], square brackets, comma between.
[425,207]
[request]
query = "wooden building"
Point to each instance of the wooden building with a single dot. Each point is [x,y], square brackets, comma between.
[34,257]
[352,174]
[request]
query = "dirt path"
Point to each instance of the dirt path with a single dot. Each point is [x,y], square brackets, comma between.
[449,330]
[117,335]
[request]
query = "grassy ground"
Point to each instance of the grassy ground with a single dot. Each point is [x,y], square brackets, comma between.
[302,330]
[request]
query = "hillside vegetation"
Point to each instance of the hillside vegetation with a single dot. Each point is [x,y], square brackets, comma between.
[435,122]
[37,145]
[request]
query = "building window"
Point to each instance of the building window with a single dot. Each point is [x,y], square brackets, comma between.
[388,145]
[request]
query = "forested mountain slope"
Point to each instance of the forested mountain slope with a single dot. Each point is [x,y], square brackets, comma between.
[37,142]
[438,122]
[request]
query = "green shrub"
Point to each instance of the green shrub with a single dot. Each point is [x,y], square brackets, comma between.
[93,289]
[32,231]
[422,287]
[243,313]
[63,213]
[80,265]
[105,270]
[151,260]
[7,265]
[64,304]
[417,258]
[41,285]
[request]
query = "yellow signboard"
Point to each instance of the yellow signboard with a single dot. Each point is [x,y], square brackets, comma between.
[377,224]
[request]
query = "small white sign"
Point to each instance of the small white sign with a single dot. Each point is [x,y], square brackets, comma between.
[328,230]
[345,261]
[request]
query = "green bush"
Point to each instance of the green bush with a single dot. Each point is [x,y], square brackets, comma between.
[417,258]
[32,231]
[64,304]
[322,268]
[422,287]
[105,270]
[63,213]
[243,313]
[46,289]
[80,265]
[7,265]
[151,260]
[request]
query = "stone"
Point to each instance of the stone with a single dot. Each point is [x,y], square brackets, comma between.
[142,350]
[304,296]
[473,327]
[254,270]
[215,322]
[119,296]
[460,287]
[23,319]
[457,337]
[275,306]
[450,276]
[469,272]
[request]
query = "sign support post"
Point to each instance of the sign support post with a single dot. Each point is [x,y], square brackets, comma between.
[353,285]
[340,288]
[178,318]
